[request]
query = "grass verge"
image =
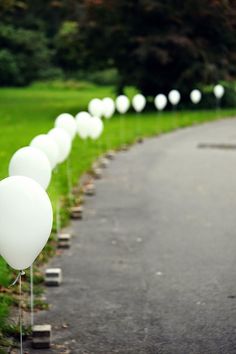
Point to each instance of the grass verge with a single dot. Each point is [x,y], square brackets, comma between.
[25,113]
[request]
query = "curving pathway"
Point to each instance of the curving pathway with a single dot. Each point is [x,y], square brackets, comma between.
[152,267]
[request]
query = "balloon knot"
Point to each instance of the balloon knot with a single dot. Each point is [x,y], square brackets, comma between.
[21,272]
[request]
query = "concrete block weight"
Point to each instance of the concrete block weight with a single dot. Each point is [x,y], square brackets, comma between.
[64,241]
[53,276]
[76,212]
[41,336]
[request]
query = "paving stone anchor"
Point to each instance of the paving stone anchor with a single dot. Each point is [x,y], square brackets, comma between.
[64,241]
[90,189]
[97,172]
[140,140]
[110,155]
[53,276]
[41,336]
[124,147]
[104,162]
[76,212]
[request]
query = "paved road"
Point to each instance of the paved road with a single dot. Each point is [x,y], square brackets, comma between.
[152,268]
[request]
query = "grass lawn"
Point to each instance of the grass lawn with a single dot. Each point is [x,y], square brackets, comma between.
[25,113]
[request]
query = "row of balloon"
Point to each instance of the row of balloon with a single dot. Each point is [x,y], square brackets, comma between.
[174,97]
[26,216]
[46,152]
[106,107]
[26,212]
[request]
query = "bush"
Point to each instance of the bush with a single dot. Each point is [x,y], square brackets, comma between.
[9,71]
[52,73]
[25,56]
[209,101]
[106,77]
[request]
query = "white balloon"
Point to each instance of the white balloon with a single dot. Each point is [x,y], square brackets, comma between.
[46,144]
[96,127]
[160,102]
[33,163]
[108,107]
[122,104]
[67,122]
[195,96]
[174,97]
[219,91]
[25,220]
[83,123]
[95,107]
[63,141]
[139,102]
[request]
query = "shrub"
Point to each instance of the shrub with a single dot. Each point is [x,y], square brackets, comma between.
[25,56]
[9,71]
[106,77]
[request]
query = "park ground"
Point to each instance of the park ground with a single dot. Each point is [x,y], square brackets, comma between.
[25,113]
[151,268]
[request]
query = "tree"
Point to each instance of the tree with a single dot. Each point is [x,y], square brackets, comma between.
[25,55]
[157,45]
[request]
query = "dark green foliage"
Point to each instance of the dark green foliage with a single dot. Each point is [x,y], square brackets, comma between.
[68,47]
[104,77]
[25,56]
[154,45]
[9,72]
[159,45]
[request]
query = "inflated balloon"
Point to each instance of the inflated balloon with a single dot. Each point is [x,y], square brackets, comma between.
[195,96]
[174,97]
[63,141]
[108,107]
[83,123]
[139,102]
[96,128]
[219,91]
[48,146]
[25,220]
[31,162]
[67,122]
[160,102]
[122,104]
[95,107]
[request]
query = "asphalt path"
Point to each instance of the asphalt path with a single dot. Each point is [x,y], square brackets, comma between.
[152,267]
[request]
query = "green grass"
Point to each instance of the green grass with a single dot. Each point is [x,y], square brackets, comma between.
[25,113]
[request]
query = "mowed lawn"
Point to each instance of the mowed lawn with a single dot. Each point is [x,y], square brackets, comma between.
[27,112]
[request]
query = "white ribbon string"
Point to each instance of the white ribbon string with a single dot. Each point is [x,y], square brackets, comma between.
[18,278]
[20,312]
[69,182]
[32,294]
[122,130]
[58,206]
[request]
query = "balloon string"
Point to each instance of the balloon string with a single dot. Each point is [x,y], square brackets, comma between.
[158,116]
[58,221]
[20,312]
[122,133]
[108,139]
[17,278]
[58,217]
[218,104]
[99,144]
[139,123]
[32,294]
[108,143]
[69,181]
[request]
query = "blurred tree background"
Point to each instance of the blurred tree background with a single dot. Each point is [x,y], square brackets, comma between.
[153,45]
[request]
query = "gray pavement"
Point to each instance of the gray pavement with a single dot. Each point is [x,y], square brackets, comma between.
[152,267]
